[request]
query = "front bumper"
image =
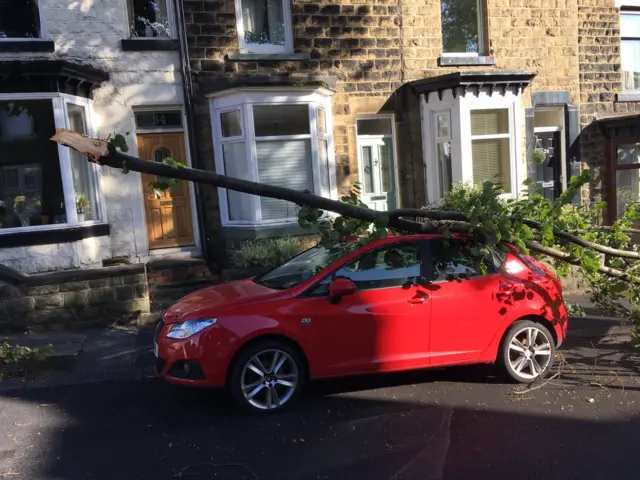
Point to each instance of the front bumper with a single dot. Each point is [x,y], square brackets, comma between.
[191,361]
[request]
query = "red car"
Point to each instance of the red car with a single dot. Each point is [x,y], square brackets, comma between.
[399,303]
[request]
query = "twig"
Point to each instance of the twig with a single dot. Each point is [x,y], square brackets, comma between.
[522,392]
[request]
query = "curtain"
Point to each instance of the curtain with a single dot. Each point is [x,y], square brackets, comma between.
[235,165]
[283,163]
[253,16]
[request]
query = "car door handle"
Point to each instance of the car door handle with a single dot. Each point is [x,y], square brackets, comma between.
[417,300]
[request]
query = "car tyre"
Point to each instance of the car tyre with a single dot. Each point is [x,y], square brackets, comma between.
[267,377]
[527,352]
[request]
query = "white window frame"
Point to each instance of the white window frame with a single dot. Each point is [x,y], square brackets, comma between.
[482,35]
[368,140]
[29,39]
[244,100]
[461,152]
[266,48]
[60,102]
[635,11]
[171,15]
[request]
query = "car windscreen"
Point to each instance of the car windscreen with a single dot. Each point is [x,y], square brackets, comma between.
[298,269]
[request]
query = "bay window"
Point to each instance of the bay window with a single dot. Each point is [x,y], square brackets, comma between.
[630,51]
[281,140]
[42,184]
[626,158]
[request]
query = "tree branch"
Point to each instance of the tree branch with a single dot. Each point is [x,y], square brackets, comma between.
[101,152]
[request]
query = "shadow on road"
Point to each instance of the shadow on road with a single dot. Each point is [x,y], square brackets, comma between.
[452,423]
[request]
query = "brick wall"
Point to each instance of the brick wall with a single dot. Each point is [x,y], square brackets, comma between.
[373,49]
[600,81]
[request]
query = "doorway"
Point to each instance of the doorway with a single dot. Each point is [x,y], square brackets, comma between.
[377,163]
[169,216]
[548,174]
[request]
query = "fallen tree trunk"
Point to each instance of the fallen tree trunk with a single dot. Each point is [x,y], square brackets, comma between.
[101,152]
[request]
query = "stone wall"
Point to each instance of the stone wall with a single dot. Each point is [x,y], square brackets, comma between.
[600,82]
[371,50]
[78,299]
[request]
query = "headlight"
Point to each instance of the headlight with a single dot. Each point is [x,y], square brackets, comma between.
[188,328]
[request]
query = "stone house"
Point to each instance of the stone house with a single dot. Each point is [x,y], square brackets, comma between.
[88,236]
[407,97]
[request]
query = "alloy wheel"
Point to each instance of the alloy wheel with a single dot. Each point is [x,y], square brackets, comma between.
[269,379]
[529,352]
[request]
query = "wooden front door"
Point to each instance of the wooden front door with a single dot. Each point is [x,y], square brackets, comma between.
[169,220]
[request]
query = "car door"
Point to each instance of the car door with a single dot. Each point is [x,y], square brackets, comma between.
[466,306]
[384,326]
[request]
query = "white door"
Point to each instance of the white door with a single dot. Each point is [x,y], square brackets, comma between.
[377,173]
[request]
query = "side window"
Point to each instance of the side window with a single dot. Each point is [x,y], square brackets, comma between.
[390,266]
[454,260]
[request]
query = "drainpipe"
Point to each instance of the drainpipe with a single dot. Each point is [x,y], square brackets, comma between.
[187,89]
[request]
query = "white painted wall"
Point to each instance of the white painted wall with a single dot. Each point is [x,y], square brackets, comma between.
[90,32]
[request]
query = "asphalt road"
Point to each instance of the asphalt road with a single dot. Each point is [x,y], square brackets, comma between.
[457,423]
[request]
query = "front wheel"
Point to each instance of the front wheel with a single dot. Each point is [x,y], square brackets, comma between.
[267,377]
[527,351]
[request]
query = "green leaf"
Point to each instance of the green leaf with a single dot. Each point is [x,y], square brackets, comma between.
[381,222]
[118,141]
[619,287]
[528,182]
[526,233]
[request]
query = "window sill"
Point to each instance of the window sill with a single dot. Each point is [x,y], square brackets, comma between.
[27,45]
[628,96]
[150,45]
[48,236]
[455,61]
[280,57]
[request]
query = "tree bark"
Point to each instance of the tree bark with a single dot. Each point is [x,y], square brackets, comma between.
[101,152]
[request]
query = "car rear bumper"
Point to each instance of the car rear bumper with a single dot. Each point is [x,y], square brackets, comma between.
[186,361]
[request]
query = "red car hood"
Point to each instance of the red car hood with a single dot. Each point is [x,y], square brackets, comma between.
[208,302]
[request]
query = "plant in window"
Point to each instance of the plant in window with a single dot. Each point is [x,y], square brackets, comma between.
[82,203]
[538,156]
[150,19]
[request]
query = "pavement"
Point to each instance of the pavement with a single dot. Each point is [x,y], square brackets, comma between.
[105,418]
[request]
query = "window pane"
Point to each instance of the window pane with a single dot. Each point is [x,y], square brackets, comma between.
[386,154]
[629,25]
[630,53]
[627,189]
[453,260]
[231,123]
[279,120]
[235,165]
[392,266]
[628,153]
[283,163]
[19,19]
[443,152]
[263,22]
[491,162]
[374,126]
[84,180]
[442,122]
[489,122]
[459,26]
[323,158]
[322,121]
[148,18]
[30,180]
[367,173]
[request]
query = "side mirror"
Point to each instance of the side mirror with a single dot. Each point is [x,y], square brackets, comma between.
[341,287]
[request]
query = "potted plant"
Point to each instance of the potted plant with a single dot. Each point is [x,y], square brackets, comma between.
[538,156]
[82,202]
